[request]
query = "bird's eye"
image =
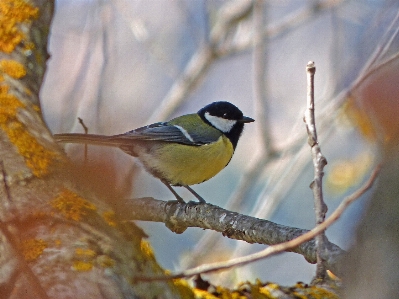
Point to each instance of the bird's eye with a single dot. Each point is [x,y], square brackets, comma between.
[224,115]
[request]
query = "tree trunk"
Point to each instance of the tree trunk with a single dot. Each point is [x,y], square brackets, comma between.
[57,241]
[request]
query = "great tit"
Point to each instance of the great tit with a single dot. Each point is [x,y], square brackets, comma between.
[187,150]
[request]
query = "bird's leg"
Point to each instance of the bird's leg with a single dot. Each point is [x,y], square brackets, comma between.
[200,199]
[178,197]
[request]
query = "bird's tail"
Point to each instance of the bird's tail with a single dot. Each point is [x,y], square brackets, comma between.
[88,139]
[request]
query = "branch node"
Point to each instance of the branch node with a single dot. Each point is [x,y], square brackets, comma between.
[172,209]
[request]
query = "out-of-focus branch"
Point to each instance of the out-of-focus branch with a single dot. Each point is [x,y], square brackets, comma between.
[375,63]
[194,72]
[228,16]
[291,22]
[259,65]
[220,45]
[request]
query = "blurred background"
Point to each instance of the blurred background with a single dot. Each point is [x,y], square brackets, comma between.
[121,64]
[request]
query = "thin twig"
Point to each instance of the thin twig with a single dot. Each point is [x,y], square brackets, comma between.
[86,129]
[275,249]
[319,161]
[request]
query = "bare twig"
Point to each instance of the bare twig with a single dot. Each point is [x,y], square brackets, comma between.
[319,161]
[275,249]
[86,129]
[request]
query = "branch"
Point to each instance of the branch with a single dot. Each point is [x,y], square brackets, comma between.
[290,245]
[319,161]
[259,66]
[178,217]
[196,69]
[219,46]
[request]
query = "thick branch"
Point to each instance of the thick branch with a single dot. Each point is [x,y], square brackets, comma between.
[274,249]
[178,217]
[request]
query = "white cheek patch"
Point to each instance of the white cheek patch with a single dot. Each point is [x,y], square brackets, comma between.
[220,123]
[185,133]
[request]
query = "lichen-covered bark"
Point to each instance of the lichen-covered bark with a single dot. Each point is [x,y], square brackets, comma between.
[57,241]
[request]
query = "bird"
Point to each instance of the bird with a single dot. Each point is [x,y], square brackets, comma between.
[187,150]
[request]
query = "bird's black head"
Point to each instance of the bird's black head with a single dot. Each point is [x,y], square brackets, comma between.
[225,117]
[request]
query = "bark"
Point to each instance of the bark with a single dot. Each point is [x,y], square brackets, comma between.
[57,240]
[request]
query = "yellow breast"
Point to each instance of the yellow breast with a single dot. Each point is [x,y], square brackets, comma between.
[188,165]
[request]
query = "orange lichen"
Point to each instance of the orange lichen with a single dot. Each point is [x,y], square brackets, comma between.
[82,266]
[9,105]
[147,250]
[222,292]
[32,248]
[12,68]
[71,205]
[105,261]
[184,289]
[36,156]
[271,290]
[109,217]
[201,294]
[84,252]
[35,107]
[13,13]
[4,89]
[84,259]
[302,290]
[28,46]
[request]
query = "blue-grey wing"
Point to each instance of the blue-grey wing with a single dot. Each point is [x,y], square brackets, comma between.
[163,131]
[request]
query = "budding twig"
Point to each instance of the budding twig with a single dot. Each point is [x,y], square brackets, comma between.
[319,161]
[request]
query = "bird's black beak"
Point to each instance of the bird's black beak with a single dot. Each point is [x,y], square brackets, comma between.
[246,119]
